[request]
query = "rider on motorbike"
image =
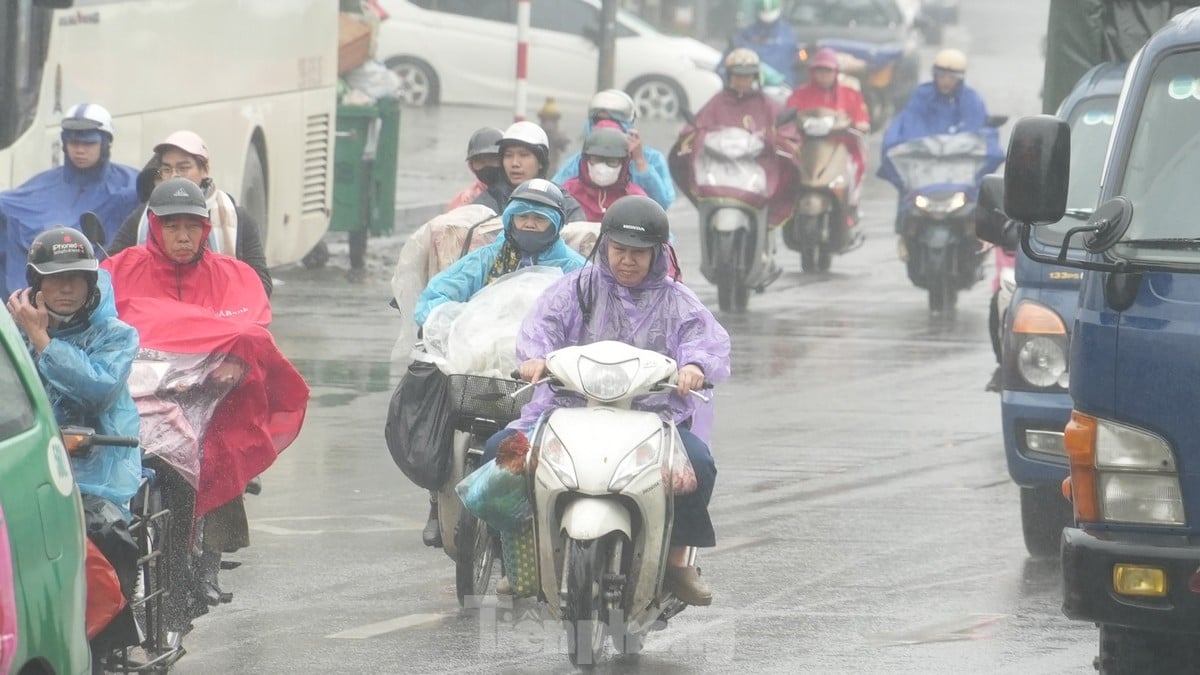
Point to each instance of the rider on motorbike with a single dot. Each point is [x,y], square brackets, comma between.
[83,354]
[524,155]
[604,175]
[946,105]
[648,168]
[771,38]
[483,159]
[533,223]
[823,90]
[628,296]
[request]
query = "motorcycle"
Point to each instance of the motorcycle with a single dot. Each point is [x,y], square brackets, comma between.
[882,73]
[601,480]
[725,174]
[941,175]
[822,224]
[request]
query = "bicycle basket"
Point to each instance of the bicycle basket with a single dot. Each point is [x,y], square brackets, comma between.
[477,397]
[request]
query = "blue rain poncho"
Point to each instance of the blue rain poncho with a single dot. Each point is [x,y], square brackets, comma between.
[85,370]
[930,112]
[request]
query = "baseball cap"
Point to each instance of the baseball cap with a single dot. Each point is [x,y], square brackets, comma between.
[178,196]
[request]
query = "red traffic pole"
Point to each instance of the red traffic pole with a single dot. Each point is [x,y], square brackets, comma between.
[523,7]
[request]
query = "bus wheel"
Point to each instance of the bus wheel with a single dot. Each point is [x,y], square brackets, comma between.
[254,192]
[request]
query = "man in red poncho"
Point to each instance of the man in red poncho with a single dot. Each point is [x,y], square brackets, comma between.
[219,402]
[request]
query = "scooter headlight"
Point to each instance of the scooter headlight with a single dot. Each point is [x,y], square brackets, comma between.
[607,381]
[647,454]
[941,205]
[554,454]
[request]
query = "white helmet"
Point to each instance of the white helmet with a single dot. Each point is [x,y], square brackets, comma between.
[88,117]
[616,103]
[951,61]
[531,136]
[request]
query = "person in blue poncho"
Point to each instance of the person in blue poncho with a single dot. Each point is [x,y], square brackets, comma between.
[945,105]
[771,38]
[648,167]
[533,221]
[87,181]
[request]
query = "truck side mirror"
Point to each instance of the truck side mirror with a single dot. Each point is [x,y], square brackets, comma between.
[991,223]
[1037,170]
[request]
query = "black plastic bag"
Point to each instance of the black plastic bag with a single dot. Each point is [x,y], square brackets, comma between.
[418,430]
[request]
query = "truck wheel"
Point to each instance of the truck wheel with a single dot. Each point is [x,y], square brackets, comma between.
[1044,514]
[1124,651]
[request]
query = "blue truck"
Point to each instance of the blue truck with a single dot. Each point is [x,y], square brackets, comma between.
[1131,559]
[1034,403]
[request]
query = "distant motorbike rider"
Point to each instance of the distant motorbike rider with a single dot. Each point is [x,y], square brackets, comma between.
[524,155]
[648,169]
[84,354]
[946,105]
[823,90]
[483,159]
[533,223]
[771,38]
[88,180]
[629,296]
[604,175]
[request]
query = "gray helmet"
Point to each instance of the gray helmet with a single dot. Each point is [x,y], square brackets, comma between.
[176,196]
[607,143]
[485,141]
[636,221]
[540,191]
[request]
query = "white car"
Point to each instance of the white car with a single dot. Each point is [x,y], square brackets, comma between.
[465,51]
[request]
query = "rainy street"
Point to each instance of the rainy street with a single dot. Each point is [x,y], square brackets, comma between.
[865,519]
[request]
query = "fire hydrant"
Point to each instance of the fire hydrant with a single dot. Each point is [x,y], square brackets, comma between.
[548,118]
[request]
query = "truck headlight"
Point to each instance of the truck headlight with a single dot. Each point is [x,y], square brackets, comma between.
[1035,353]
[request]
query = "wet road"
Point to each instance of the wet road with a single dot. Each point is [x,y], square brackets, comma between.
[865,519]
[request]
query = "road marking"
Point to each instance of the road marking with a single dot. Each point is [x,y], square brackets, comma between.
[970,627]
[391,625]
[378,523]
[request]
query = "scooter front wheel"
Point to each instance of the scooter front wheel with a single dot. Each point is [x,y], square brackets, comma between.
[582,611]
[732,292]
[476,551]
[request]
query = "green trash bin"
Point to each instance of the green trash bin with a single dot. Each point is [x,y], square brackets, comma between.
[364,178]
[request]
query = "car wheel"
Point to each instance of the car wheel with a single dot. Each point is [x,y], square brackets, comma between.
[418,82]
[657,98]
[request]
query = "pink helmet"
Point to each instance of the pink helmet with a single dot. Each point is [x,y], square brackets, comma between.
[825,57]
[187,141]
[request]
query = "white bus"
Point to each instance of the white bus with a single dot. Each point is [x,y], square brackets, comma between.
[257,79]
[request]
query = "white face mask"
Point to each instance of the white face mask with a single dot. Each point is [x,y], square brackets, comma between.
[770,15]
[603,174]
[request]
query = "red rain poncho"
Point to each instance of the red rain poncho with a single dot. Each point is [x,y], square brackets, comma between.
[213,305]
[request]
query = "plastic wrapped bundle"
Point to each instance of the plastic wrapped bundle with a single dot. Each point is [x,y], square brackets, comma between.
[496,492]
[479,337]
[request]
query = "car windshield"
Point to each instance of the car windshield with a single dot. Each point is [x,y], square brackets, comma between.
[851,13]
[1164,159]
[1091,124]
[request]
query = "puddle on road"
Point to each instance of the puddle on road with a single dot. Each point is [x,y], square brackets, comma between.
[970,627]
[340,382]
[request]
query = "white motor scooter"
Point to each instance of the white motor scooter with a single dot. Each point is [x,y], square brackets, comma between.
[602,493]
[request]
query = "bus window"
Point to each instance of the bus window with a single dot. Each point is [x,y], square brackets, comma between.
[24,33]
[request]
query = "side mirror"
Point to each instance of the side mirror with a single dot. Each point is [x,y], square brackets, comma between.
[995,121]
[1037,170]
[991,223]
[92,228]
[1110,221]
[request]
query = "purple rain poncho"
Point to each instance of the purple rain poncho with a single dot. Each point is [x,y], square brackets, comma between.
[659,314]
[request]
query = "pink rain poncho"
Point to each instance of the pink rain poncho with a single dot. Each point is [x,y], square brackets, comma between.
[658,314]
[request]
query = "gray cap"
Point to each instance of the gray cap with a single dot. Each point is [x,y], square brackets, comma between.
[176,196]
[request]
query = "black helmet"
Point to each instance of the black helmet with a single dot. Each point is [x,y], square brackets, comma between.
[63,249]
[541,191]
[485,141]
[607,143]
[178,195]
[637,221]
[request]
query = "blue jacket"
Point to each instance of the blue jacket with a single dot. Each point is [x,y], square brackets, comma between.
[775,44]
[466,277]
[59,196]
[85,370]
[929,112]
[655,180]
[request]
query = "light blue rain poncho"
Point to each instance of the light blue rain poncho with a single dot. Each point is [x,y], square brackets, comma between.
[85,370]
[511,251]
[655,180]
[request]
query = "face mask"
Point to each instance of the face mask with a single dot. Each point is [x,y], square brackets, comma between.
[531,242]
[603,174]
[769,16]
[489,174]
